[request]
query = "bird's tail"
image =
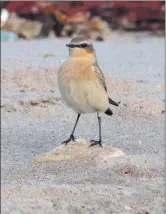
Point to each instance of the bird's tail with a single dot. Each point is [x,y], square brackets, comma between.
[108,112]
[113,102]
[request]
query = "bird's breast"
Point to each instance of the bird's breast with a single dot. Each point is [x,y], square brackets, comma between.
[77,70]
[80,87]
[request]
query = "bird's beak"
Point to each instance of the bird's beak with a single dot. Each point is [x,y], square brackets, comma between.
[70,45]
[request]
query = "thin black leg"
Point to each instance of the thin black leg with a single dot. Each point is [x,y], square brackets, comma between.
[97,142]
[72,134]
[78,116]
[99,122]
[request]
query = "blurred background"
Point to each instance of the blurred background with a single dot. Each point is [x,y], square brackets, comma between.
[96,20]
[129,40]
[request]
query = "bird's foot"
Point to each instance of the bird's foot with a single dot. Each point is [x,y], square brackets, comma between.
[71,138]
[95,142]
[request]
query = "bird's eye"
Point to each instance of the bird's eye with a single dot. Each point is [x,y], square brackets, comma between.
[84,45]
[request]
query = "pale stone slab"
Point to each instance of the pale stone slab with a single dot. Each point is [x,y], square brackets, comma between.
[79,150]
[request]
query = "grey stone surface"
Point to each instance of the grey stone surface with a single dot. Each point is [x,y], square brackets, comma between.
[35,120]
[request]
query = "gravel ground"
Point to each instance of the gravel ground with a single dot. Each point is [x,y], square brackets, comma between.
[35,120]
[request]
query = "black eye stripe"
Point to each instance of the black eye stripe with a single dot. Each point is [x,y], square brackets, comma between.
[84,45]
[72,46]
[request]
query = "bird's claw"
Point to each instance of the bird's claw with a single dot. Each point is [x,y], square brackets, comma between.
[95,142]
[71,138]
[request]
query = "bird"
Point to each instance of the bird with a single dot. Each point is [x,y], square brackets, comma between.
[82,84]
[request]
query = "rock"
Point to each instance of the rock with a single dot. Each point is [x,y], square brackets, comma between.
[22,27]
[79,150]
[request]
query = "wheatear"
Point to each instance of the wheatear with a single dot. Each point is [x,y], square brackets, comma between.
[82,84]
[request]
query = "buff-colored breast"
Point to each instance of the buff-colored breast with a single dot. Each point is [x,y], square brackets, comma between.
[80,87]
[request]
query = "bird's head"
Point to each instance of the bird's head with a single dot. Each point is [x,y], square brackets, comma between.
[81,47]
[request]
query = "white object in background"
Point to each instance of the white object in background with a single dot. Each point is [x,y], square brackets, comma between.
[4,17]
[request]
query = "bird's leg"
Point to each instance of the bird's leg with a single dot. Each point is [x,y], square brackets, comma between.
[97,142]
[72,138]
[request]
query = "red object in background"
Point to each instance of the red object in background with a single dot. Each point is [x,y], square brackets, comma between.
[154,5]
[20,6]
[71,7]
[134,11]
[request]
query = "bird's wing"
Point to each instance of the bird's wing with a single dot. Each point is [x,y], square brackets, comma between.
[101,79]
[100,75]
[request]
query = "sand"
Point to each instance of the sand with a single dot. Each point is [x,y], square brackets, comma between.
[35,121]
